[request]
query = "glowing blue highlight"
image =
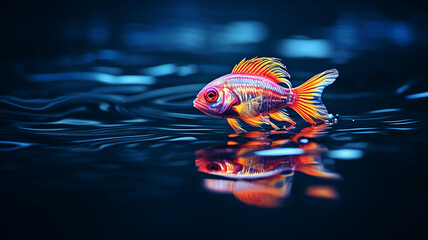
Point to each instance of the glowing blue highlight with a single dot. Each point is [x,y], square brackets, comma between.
[161,70]
[385,110]
[401,129]
[182,139]
[71,121]
[346,154]
[13,145]
[403,88]
[417,95]
[93,76]
[242,32]
[311,48]
[280,152]
[138,120]
[104,106]
[187,70]
[401,34]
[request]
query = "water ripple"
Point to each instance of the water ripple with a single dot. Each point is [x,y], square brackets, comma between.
[12,145]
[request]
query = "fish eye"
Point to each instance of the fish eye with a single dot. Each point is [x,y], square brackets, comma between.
[211,95]
[214,167]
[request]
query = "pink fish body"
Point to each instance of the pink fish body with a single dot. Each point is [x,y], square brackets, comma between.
[252,93]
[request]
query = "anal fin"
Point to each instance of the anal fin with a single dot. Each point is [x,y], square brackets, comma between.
[253,121]
[282,116]
[235,125]
[259,120]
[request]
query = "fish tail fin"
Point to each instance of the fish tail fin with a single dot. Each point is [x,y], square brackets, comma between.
[308,103]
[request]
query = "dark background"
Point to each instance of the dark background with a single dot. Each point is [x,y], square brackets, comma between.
[378,38]
[49,28]
[64,189]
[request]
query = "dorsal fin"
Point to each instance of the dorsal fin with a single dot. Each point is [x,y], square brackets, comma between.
[271,68]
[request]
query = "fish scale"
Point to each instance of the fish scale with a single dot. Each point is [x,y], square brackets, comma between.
[249,87]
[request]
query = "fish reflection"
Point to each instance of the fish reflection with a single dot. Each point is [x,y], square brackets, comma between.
[268,192]
[260,172]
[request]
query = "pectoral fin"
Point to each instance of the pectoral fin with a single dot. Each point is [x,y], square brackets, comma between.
[250,113]
[235,125]
[249,108]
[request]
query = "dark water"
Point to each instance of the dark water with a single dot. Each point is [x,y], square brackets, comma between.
[84,156]
[105,143]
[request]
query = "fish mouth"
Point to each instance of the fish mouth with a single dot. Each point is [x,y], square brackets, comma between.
[200,106]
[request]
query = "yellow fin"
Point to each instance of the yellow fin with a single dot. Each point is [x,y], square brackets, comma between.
[253,121]
[259,120]
[282,116]
[308,102]
[270,68]
[249,108]
[235,125]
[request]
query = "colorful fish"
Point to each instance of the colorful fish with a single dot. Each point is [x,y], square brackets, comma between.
[252,93]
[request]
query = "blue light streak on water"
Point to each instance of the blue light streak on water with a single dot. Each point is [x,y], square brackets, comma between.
[161,70]
[93,76]
[242,32]
[401,129]
[187,70]
[417,95]
[280,152]
[11,145]
[311,48]
[70,121]
[182,139]
[385,110]
[346,154]
[403,88]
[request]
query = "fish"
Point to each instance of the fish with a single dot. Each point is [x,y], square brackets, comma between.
[253,94]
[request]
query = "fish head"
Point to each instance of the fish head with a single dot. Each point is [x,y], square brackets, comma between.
[219,167]
[238,163]
[218,161]
[216,100]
